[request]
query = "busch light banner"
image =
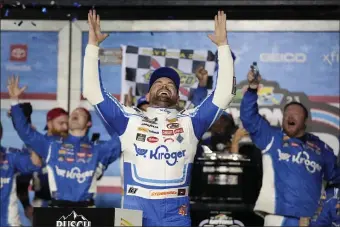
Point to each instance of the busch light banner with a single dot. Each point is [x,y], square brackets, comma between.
[86,217]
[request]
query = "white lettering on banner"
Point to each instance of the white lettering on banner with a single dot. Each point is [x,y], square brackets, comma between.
[22,68]
[301,158]
[74,173]
[284,57]
[4,180]
[73,223]
[331,58]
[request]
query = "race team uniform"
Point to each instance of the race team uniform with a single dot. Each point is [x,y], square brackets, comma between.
[328,212]
[293,168]
[42,196]
[12,161]
[158,145]
[73,163]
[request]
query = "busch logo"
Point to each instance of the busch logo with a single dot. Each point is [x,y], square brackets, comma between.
[4,180]
[73,220]
[74,173]
[160,153]
[300,158]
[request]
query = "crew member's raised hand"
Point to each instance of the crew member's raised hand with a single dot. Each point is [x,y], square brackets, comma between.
[14,91]
[95,34]
[252,80]
[36,160]
[202,76]
[220,35]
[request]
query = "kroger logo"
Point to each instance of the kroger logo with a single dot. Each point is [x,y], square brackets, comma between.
[301,158]
[160,153]
[74,173]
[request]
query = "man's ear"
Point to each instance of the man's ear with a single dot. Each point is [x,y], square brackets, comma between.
[147,97]
[89,124]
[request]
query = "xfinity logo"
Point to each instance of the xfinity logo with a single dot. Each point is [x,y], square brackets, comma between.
[331,58]
[283,57]
[73,220]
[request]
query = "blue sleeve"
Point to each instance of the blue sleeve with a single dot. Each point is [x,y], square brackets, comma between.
[331,167]
[203,116]
[198,95]
[325,217]
[22,162]
[109,151]
[113,114]
[260,131]
[31,137]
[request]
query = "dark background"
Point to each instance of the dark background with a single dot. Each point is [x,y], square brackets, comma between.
[173,9]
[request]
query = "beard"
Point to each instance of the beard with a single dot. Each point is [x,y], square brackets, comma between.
[58,133]
[165,101]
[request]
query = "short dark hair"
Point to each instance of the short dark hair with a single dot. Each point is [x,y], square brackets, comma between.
[298,104]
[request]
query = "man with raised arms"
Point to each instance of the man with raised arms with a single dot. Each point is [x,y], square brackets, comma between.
[159,144]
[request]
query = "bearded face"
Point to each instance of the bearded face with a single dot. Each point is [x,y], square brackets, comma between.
[58,126]
[294,121]
[163,93]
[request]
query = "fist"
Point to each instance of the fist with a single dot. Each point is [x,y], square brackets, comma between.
[252,80]
[240,133]
[202,76]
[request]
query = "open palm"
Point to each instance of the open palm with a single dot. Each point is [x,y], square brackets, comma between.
[95,34]
[220,35]
[14,90]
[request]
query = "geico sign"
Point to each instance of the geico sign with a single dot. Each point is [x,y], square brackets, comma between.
[283,57]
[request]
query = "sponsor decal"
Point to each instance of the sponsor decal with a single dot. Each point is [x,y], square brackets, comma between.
[81,155]
[84,145]
[160,153]
[183,210]
[4,181]
[143,129]
[179,130]
[172,120]
[179,138]
[221,220]
[152,139]
[73,220]
[167,132]
[124,222]
[168,140]
[150,121]
[18,52]
[154,132]
[132,190]
[150,125]
[140,137]
[331,58]
[301,158]
[164,193]
[74,173]
[172,125]
[70,159]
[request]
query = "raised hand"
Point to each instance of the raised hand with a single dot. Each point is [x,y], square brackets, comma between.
[95,34]
[14,91]
[220,35]
[202,76]
[252,80]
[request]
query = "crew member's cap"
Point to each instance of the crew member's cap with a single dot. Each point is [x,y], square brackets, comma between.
[165,72]
[54,113]
[141,101]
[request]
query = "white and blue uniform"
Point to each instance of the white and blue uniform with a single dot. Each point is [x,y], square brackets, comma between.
[12,162]
[158,145]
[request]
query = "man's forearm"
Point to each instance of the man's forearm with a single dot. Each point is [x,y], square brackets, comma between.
[224,91]
[91,81]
